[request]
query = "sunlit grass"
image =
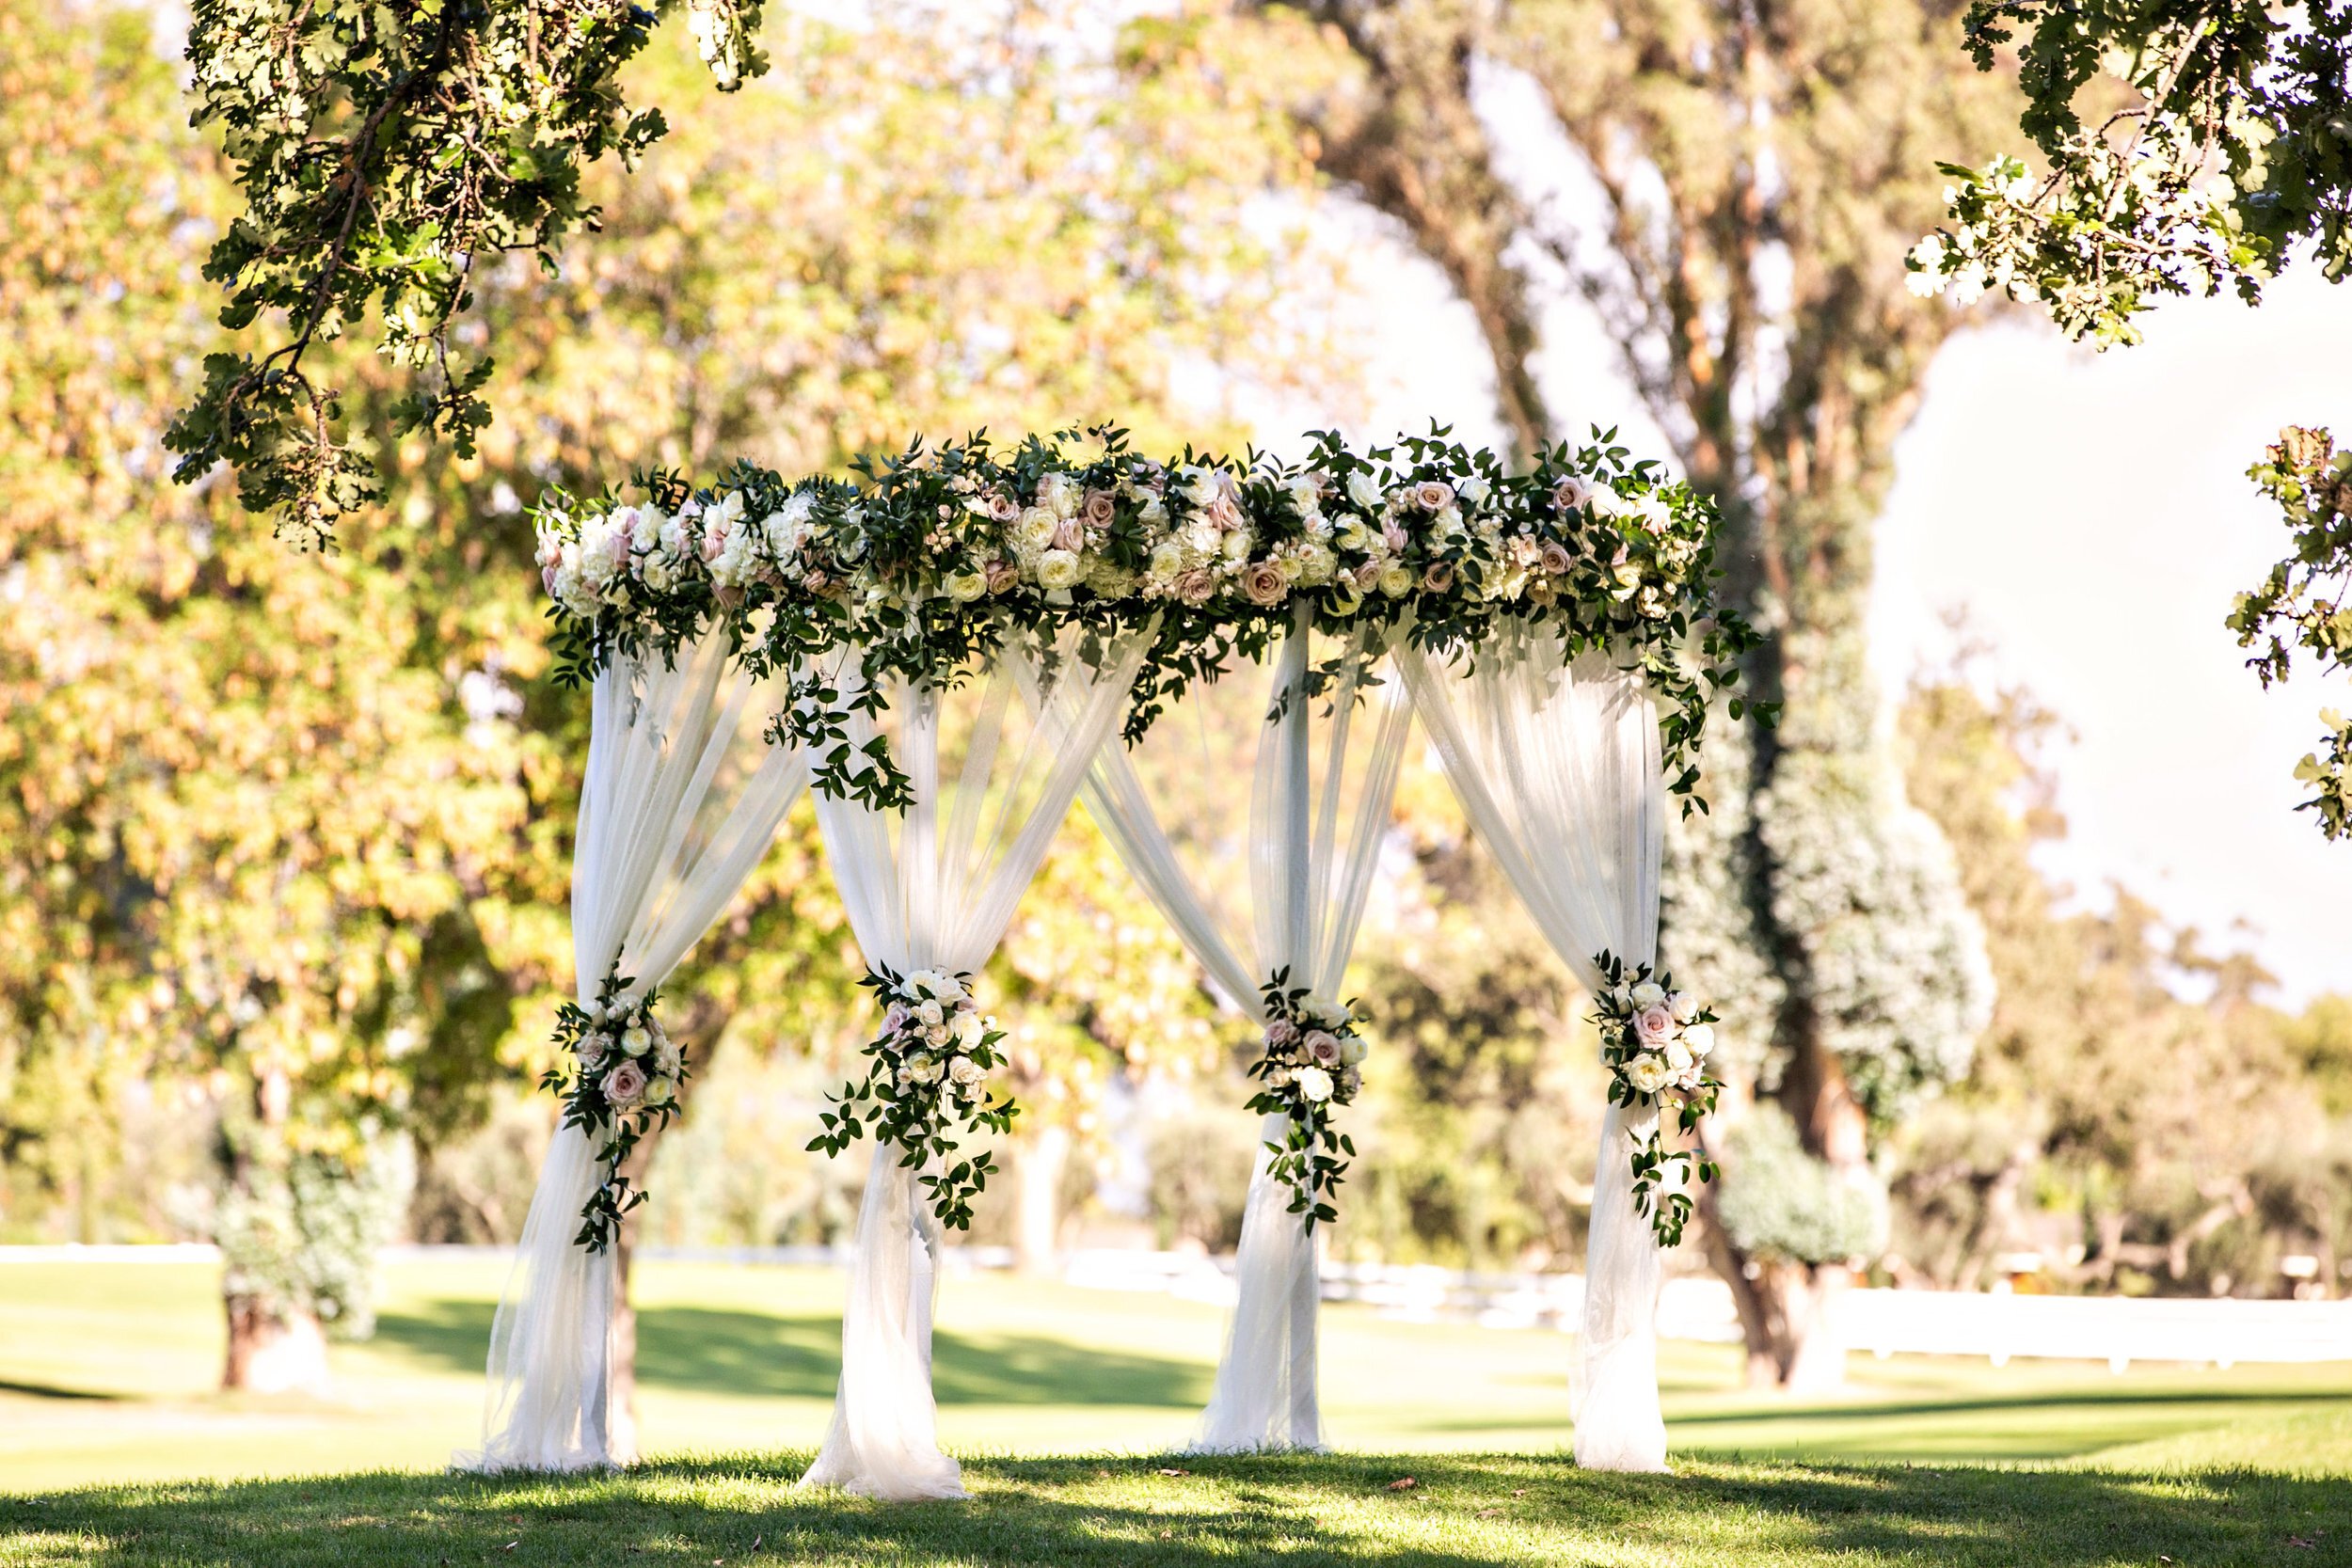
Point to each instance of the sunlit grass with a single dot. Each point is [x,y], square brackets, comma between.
[107,1373]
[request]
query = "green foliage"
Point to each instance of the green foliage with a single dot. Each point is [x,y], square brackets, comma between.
[2301,607]
[383,152]
[2110,1123]
[2187,144]
[918,571]
[1787,1206]
[298,1231]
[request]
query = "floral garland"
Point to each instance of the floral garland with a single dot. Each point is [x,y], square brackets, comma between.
[621,1078]
[1655,1042]
[922,564]
[1312,1064]
[928,1078]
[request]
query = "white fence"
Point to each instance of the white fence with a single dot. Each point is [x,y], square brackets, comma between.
[1999,1326]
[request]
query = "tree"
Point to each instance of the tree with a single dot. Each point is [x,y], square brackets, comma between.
[2137,1134]
[1756,173]
[383,152]
[2186,145]
[215,743]
[210,747]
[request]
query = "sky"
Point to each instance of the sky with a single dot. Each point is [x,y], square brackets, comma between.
[2090,516]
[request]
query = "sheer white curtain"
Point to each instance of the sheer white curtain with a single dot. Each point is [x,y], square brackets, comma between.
[1315,829]
[1556,763]
[934,888]
[681,800]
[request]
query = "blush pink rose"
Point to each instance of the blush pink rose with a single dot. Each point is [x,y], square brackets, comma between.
[1281,1032]
[625,1086]
[1323,1047]
[1196,586]
[1263,583]
[1555,557]
[1098,508]
[1654,1023]
[1434,495]
[1069,534]
[1438,577]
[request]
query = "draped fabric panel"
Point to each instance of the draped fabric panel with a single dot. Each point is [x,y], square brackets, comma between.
[681,800]
[935,887]
[1316,825]
[1556,763]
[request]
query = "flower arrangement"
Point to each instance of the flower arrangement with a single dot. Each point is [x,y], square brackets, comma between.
[928,1077]
[619,1075]
[1312,1062]
[1655,1042]
[919,564]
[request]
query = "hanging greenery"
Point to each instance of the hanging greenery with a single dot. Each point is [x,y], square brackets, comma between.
[916,567]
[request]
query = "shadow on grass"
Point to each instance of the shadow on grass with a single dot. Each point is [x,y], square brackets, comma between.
[1300,1512]
[53,1391]
[716,1351]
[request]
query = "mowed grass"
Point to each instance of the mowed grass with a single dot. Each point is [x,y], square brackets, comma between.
[107,1374]
[1457,1512]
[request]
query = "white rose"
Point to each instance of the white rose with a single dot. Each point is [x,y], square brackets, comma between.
[967,1071]
[1395,579]
[1352,1049]
[1700,1037]
[660,1092]
[968,1029]
[1364,490]
[1472,489]
[668,1058]
[963,587]
[1057,569]
[1681,1005]
[929,1011]
[1679,1054]
[1315,1083]
[1648,994]
[635,1041]
[1647,1073]
[1033,530]
[1236,544]
[1167,559]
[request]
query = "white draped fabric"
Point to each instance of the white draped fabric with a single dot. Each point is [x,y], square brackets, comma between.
[681,800]
[1316,830]
[1557,765]
[935,887]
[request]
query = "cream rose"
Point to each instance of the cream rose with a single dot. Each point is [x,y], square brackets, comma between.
[1058,569]
[1700,1037]
[963,587]
[1648,994]
[1648,1074]
[1314,1085]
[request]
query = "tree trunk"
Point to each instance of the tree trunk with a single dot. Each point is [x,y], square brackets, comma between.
[1038,1164]
[273,1349]
[1788,1309]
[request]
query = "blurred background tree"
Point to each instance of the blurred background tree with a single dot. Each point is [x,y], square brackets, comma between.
[1737,192]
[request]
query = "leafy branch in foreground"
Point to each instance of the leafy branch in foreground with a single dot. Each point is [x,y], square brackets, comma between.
[2302,602]
[383,150]
[2225,143]
[2188,144]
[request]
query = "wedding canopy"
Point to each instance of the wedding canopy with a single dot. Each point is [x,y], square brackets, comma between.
[942,648]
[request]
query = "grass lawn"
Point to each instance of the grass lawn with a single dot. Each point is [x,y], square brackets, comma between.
[106,1373]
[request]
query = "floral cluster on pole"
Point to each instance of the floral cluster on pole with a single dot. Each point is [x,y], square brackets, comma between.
[926,1086]
[618,1074]
[1655,1042]
[1312,1064]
